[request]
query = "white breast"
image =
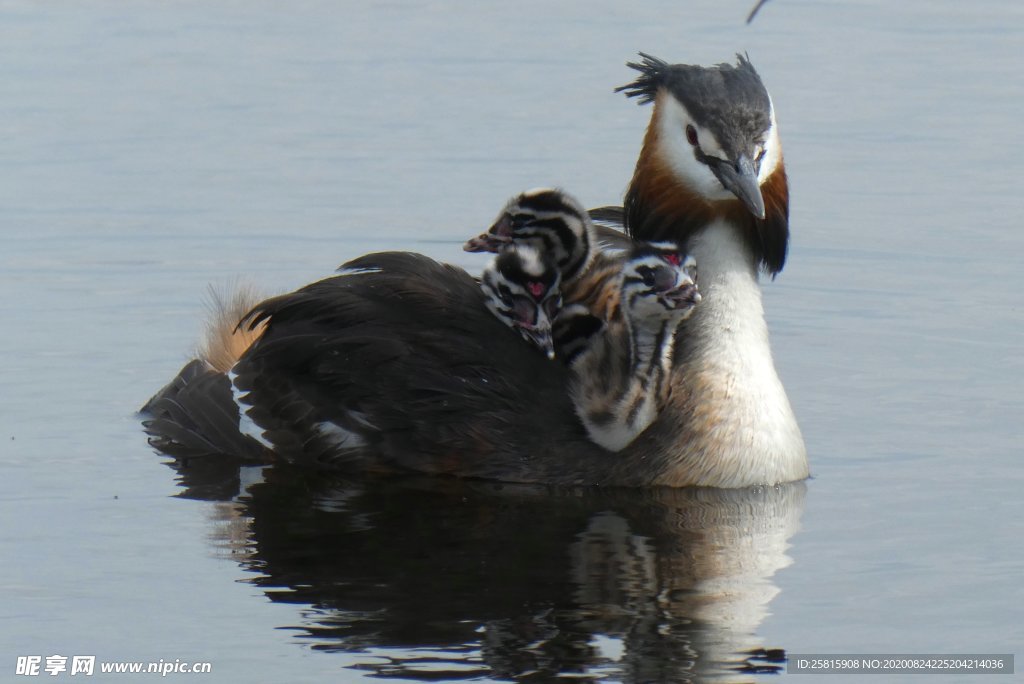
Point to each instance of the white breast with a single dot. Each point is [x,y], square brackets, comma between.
[741,429]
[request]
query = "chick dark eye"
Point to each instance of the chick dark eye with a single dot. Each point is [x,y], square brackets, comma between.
[525,310]
[665,279]
[520,220]
[691,135]
[648,277]
[553,306]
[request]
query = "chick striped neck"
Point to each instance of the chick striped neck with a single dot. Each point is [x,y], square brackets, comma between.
[650,353]
[621,380]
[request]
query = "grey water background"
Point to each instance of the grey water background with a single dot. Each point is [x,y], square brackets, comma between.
[150,149]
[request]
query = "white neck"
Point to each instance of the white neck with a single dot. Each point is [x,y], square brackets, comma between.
[741,429]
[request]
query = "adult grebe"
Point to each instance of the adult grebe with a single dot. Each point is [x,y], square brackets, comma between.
[398,365]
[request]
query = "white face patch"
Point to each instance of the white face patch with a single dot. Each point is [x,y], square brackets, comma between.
[677,152]
[772,150]
[530,260]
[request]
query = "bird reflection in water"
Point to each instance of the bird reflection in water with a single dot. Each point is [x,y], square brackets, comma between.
[453,579]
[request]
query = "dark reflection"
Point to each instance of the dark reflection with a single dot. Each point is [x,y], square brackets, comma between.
[443,579]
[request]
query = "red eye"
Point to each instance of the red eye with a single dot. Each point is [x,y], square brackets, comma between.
[673,258]
[536,288]
[691,135]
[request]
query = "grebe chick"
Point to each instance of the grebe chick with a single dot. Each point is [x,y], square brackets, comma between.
[589,258]
[520,286]
[548,219]
[620,377]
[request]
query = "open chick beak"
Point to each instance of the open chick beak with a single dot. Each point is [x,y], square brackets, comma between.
[684,295]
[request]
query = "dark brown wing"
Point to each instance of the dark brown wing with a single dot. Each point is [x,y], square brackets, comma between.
[402,359]
[195,415]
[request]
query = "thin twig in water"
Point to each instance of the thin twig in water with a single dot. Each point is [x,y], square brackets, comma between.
[757,8]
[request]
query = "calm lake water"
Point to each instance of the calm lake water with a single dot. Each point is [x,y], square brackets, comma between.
[150,149]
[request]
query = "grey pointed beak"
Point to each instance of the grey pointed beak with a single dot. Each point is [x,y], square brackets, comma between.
[741,180]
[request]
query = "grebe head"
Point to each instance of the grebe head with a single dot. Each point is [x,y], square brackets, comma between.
[621,374]
[551,221]
[659,283]
[521,288]
[716,126]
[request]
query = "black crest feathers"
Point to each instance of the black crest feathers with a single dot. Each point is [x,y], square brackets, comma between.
[694,85]
[652,76]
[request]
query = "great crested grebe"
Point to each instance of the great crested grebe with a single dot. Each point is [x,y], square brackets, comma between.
[589,257]
[549,220]
[620,377]
[521,288]
[398,365]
